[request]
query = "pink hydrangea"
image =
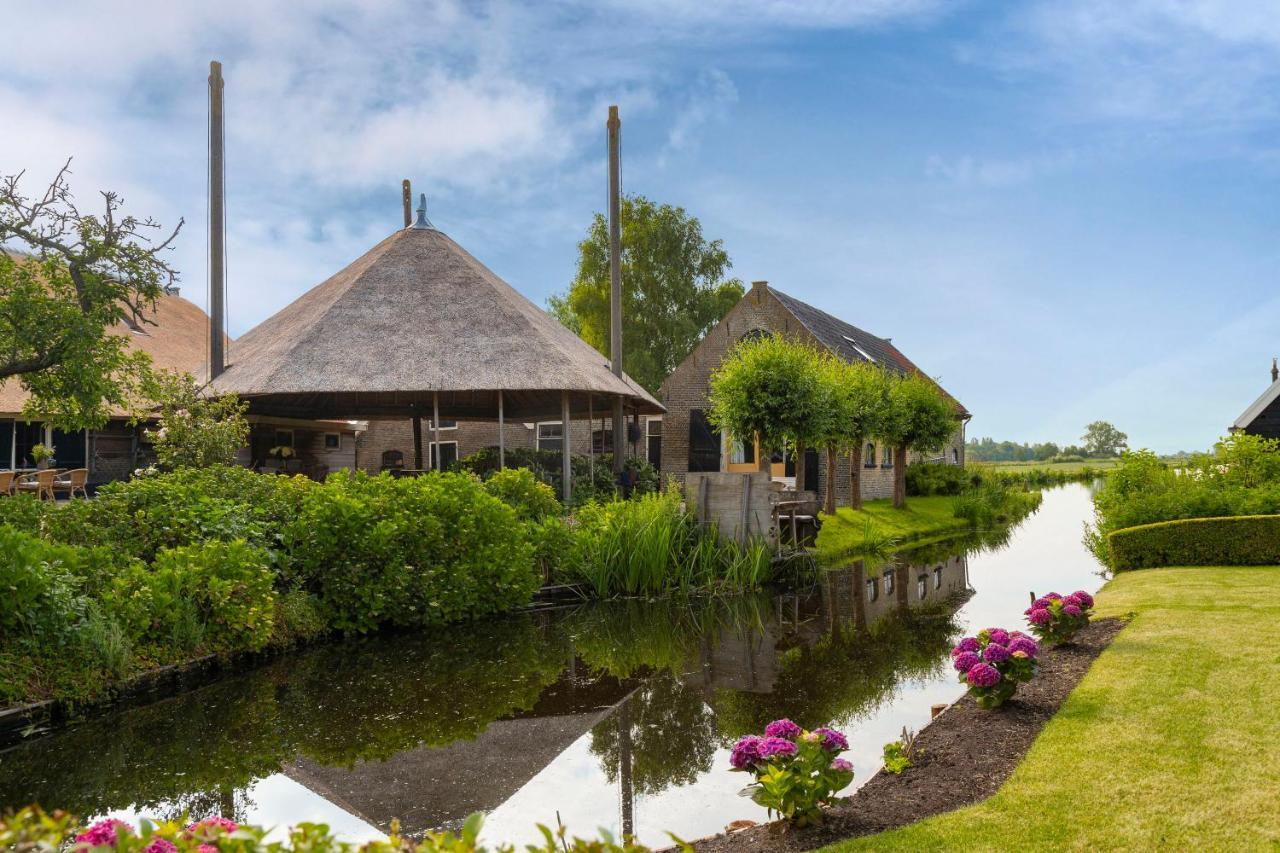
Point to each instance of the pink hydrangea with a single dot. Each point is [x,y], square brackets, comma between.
[746,752]
[1039,602]
[965,661]
[1072,610]
[832,740]
[998,635]
[995,653]
[841,765]
[983,675]
[1086,599]
[776,746]
[1026,645]
[1039,616]
[783,729]
[1072,599]
[161,845]
[104,833]
[968,644]
[1053,595]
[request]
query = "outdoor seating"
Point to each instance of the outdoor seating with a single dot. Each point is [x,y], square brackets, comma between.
[75,480]
[38,482]
[6,482]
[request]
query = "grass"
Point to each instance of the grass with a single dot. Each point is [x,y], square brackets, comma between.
[1064,467]
[1168,742]
[871,528]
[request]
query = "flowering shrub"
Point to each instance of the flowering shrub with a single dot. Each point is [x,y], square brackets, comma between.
[1055,619]
[994,663]
[35,830]
[796,771]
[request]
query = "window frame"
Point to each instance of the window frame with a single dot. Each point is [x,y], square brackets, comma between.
[538,438]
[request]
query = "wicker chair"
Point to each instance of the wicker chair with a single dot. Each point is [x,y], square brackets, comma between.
[72,481]
[6,482]
[39,482]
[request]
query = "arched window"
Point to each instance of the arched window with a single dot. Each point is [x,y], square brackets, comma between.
[869,455]
[753,335]
[886,460]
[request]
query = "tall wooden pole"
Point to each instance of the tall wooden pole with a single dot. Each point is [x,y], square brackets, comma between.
[406,201]
[217,223]
[615,276]
[435,426]
[566,462]
[417,439]
[502,434]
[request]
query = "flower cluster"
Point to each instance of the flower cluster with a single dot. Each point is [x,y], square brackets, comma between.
[994,663]
[1056,619]
[201,836]
[796,771]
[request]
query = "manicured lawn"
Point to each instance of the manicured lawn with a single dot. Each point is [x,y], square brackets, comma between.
[1169,743]
[1064,467]
[847,532]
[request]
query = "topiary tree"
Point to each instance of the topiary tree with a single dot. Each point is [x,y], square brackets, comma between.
[918,417]
[772,389]
[195,430]
[859,403]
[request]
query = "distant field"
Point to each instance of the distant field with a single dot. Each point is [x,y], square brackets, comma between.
[1064,467]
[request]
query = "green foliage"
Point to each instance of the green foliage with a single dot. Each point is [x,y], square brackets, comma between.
[25,512]
[795,786]
[918,415]
[593,477]
[1245,540]
[898,753]
[673,288]
[857,401]
[518,488]
[40,588]
[993,504]
[931,478]
[61,309]
[1103,439]
[409,551]
[299,617]
[195,430]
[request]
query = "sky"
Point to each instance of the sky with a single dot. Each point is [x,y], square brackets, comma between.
[1064,210]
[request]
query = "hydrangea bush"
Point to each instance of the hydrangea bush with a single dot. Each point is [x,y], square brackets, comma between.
[1056,619]
[994,663]
[796,771]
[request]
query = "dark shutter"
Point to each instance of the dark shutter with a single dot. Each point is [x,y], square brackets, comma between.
[811,469]
[704,443]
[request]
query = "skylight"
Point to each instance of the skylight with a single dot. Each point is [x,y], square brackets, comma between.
[860,350]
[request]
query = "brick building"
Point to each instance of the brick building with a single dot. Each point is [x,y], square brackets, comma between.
[690,444]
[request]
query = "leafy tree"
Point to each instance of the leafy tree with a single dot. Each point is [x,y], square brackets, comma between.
[195,430]
[858,395]
[61,306]
[918,417]
[1102,439]
[673,288]
[773,389]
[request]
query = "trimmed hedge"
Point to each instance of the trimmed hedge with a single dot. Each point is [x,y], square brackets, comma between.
[1242,540]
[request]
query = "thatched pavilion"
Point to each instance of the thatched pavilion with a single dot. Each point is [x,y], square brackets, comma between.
[418,327]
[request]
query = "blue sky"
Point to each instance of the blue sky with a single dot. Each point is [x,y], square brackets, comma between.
[1065,210]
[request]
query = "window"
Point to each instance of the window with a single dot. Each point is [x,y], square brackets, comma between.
[868,356]
[955,456]
[886,457]
[551,436]
[888,582]
[873,589]
[602,440]
[283,438]
[447,424]
[741,453]
[869,455]
[753,335]
[937,578]
[448,454]
[653,441]
[922,586]
[27,436]
[333,441]
[704,443]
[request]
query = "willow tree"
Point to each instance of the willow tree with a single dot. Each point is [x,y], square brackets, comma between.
[918,417]
[771,389]
[860,403]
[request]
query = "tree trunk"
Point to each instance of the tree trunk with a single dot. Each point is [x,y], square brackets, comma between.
[900,476]
[830,507]
[799,457]
[855,476]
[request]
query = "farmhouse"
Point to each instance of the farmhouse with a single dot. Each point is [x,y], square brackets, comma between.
[690,444]
[1263,416]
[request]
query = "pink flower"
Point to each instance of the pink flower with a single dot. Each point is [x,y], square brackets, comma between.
[995,654]
[1040,616]
[776,746]
[965,661]
[1072,610]
[968,644]
[842,766]
[103,833]
[998,635]
[832,740]
[1085,598]
[1026,645]
[983,675]
[783,729]
[210,828]
[160,845]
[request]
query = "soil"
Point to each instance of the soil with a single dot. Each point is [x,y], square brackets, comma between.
[952,767]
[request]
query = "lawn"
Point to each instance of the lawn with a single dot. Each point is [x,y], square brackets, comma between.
[1168,743]
[1064,467]
[853,531]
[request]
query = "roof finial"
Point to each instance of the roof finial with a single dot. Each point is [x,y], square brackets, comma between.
[1275,371]
[423,222]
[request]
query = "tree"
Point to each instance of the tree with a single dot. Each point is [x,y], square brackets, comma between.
[1102,439]
[858,396]
[673,288]
[195,430]
[61,304]
[918,417]
[771,389]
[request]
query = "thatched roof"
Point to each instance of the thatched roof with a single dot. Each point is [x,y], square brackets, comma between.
[418,315]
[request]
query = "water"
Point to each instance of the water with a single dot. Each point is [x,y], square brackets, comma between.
[615,715]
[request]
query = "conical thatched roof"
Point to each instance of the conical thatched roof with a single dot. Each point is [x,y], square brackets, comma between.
[418,315]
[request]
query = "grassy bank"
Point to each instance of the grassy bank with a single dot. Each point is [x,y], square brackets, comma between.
[1168,743]
[1063,467]
[878,523]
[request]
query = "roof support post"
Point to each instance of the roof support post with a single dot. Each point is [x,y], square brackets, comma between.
[417,440]
[217,225]
[614,126]
[502,435]
[566,465]
[435,426]
[591,435]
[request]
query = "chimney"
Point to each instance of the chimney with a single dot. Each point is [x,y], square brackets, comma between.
[1275,371]
[758,291]
[406,201]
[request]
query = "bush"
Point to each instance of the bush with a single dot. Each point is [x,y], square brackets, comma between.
[519,489]
[796,771]
[409,551]
[299,617]
[593,477]
[1056,620]
[993,504]
[994,663]
[42,584]
[24,512]
[931,478]
[1233,541]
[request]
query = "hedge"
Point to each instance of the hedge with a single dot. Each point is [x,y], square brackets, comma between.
[1242,540]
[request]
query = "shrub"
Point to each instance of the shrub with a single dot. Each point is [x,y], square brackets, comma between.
[409,551]
[897,753]
[992,504]
[1243,540]
[42,588]
[593,477]
[24,512]
[796,771]
[994,663]
[932,478]
[532,499]
[1056,620]
[299,617]
[196,430]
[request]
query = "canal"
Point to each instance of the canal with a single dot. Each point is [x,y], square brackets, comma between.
[612,714]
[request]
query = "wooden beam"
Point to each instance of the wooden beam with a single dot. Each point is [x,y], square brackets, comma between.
[502,435]
[435,422]
[417,441]
[217,224]
[566,465]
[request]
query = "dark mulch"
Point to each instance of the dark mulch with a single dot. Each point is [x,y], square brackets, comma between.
[953,768]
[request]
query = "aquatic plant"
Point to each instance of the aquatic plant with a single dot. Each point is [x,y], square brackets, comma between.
[796,771]
[1056,619]
[994,663]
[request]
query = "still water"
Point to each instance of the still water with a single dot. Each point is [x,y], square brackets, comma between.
[615,715]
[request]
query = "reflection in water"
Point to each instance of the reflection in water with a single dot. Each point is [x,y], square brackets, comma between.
[614,714]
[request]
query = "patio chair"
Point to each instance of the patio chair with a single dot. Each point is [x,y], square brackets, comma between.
[6,482]
[72,481]
[39,482]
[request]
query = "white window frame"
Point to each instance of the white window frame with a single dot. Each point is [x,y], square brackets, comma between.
[432,452]
[336,435]
[538,438]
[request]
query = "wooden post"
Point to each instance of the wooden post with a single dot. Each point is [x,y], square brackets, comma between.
[502,435]
[614,126]
[435,423]
[566,466]
[217,224]
[406,201]
[743,532]
[417,439]
[591,434]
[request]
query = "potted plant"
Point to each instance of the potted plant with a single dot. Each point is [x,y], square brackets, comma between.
[43,456]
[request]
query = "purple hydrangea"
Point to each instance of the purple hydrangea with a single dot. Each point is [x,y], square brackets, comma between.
[995,653]
[160,845]
[1072,610]
[1039,602]
[1086,600]
[1054,596]
[998,635]
[783,729]
[841,765]
[1072,599]
[103,833]
[1040,616]
[968,644]
[1026,645]
[983,675]
[832,740]
[776,746]
[965,661]
[746,752]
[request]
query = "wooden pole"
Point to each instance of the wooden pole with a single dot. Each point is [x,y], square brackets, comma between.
[406,201]
[614,126]
[502,435]
[417,439]
[566,467]
[217,224]
[435,424]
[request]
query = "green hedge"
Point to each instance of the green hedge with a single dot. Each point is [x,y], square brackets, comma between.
[1243,540]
